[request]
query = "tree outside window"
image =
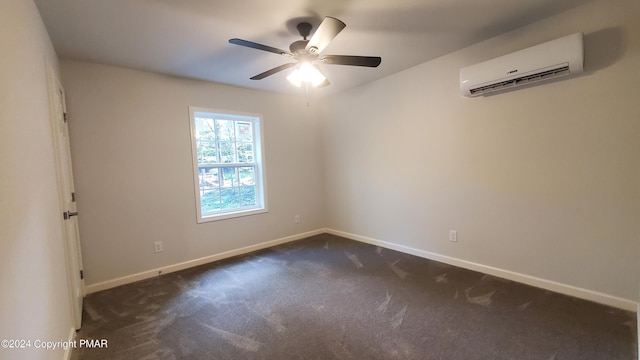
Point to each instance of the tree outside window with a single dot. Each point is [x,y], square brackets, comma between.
[228,164]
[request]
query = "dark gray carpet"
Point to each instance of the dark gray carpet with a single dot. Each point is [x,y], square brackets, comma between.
[331,298]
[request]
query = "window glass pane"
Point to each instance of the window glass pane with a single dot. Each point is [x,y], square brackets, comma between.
[245,152]
[248,195]
[229,173]
[206,140]
[210,200]
[230,177]
[229,198]
[209,178]
[247,176]
[244,131]
[207,152]
[205,128]
[227,152]
[225,130]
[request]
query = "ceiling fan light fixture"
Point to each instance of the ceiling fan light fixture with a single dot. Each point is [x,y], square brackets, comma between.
[306,51]
[307,73]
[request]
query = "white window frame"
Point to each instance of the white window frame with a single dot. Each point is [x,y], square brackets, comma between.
[258,164]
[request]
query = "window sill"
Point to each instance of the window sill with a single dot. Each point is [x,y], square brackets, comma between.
[230,215]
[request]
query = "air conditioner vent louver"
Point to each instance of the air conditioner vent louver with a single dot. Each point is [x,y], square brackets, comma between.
[521,80]
[560,57]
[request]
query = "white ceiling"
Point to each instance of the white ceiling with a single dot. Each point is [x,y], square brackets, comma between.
[189,38]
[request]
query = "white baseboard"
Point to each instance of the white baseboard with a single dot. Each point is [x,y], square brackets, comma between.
[570,290]
[574,291]
[196,262]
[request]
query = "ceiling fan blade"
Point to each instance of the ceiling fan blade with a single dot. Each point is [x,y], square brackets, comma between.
[369,61]
[272,71]
[329,28]
[257,46]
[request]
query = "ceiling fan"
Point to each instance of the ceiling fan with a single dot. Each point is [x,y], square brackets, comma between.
[307,53]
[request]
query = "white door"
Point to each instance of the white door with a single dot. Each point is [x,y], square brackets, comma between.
[66,193]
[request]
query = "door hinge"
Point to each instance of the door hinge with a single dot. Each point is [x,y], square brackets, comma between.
[64,115]
[73,197]
[68,214]
[81,274]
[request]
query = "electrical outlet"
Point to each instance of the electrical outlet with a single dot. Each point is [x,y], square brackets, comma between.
[296,219]
[453,235]
[157,246]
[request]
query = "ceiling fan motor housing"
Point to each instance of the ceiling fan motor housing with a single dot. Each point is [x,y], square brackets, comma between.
[298,47]
[304,28]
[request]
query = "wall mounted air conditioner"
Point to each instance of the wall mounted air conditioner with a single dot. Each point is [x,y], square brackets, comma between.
[560,57]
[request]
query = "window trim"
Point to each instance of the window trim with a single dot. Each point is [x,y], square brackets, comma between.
[259,163]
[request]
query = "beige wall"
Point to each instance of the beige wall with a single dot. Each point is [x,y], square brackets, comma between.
[540,182]
[34,296]
[543,182]
[131,147]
